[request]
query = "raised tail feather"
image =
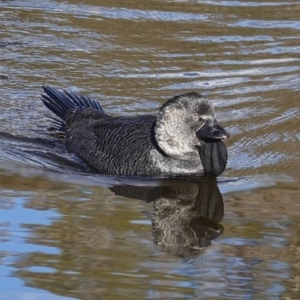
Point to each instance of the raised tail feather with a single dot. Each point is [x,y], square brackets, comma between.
[61,102]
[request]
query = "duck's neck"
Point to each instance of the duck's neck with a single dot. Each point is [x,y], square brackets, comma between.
[191,165]
[173,135]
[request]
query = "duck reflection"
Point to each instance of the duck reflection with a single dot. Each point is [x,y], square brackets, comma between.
[94,246]
[185,215]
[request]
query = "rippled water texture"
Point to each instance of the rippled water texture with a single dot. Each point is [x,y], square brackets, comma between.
[67,233]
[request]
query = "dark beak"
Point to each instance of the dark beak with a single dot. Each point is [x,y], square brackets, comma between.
[212,130]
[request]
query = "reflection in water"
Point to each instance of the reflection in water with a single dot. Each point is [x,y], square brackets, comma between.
[62,232]
[185,219]
[185,215]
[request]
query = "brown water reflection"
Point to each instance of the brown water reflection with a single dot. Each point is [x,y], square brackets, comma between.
[92,234]
[184,215]
[67,232]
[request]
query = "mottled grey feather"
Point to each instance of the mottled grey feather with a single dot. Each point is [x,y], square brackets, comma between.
[119,146]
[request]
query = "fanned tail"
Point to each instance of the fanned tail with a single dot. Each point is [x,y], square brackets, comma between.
[60,102]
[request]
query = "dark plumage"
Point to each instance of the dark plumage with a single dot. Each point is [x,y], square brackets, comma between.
[147,145]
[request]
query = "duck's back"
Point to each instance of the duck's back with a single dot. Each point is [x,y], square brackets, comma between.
[112,145]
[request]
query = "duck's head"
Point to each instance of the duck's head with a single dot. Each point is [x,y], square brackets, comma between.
[184,123]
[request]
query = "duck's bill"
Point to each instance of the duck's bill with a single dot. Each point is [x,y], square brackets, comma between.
[213,131]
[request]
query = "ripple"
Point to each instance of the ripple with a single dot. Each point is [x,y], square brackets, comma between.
[108,12]
[292,113]
[213,73]
[268,24]
[207,84]
[254,61]
[229,39]
[242,3]
[249,160]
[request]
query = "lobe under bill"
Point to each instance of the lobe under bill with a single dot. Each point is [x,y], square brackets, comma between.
[213,155]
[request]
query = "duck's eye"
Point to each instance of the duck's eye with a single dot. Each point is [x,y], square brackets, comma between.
[195,116]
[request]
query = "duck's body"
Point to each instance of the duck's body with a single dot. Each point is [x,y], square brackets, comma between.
[141,145]
[122,146]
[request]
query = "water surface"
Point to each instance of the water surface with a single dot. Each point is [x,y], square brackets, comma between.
[68,233]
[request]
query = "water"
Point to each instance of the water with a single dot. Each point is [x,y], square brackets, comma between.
[67,233]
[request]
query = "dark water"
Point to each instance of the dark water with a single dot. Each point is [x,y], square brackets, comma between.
[66,233]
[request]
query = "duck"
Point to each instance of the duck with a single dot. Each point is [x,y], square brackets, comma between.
[182,139]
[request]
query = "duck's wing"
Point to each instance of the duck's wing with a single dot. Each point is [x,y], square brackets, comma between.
[123,134]
[113,145]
